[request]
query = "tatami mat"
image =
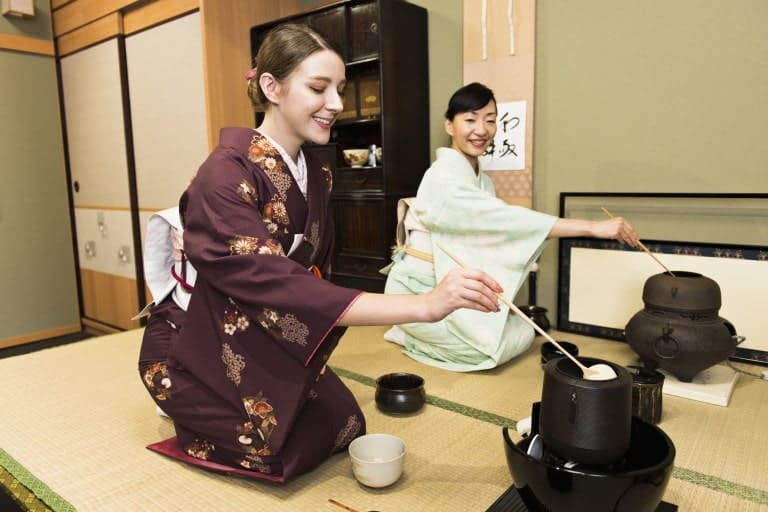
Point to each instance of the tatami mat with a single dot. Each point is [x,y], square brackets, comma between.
[77,419]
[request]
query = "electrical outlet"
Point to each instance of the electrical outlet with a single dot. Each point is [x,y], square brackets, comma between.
[765,375]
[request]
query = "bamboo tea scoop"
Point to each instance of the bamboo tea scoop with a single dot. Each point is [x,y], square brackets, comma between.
[598,371]
[345,507]
[643,247]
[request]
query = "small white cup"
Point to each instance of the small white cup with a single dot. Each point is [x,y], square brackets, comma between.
[377,459]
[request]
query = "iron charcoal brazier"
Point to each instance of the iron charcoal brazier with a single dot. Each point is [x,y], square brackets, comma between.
[586,421]
[636,483]
[679,329]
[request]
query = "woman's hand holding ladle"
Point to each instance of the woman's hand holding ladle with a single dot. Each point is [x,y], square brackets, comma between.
[598,371]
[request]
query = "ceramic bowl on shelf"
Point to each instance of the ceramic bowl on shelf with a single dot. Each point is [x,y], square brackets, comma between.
[377,459]
[355,157]
[400,393]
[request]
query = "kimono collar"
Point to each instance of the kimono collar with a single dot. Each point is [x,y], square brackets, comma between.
[455,159]
[298,169]
[241,139]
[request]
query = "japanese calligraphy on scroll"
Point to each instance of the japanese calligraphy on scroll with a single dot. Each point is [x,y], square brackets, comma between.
[507,153]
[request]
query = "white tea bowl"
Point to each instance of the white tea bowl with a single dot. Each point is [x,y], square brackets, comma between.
[377,459]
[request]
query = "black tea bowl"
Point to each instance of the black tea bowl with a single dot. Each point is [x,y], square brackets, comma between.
[400,393]
[634,484]
[550,351]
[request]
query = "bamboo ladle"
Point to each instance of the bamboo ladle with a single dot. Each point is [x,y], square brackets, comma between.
[598,371]
[642,246]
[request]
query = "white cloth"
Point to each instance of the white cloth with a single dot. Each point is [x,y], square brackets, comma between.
[162,251]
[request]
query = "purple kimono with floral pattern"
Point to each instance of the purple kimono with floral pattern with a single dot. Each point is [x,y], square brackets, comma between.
[242,372]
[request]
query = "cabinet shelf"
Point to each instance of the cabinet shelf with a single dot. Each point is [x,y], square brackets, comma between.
[361,62]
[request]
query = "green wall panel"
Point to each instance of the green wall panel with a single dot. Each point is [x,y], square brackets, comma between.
[37,269]
[652,96]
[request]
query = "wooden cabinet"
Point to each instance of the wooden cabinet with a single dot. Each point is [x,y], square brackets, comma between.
[386,104]
[37,261]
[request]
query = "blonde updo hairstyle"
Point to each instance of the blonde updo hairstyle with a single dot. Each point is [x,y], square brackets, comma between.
[283,49]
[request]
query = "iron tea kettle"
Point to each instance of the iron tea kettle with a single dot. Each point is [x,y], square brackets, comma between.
[679,329]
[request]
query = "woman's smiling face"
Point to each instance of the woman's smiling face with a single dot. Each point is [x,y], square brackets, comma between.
[310,98]
[472,132]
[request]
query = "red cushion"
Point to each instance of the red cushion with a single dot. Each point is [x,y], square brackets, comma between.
[170,447]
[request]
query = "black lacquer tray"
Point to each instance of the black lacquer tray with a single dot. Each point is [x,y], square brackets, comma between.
[510,501]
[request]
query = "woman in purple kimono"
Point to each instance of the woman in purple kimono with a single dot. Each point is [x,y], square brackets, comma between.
[242,371]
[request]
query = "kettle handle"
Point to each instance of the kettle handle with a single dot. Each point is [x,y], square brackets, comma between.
[732,331]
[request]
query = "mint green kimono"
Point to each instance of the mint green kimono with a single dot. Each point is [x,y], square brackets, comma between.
[457,209]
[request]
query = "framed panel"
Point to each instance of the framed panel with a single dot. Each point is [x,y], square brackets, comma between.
[364,31]
[369,95]
[167,112]
[331,24]
[93,102]
[601,282]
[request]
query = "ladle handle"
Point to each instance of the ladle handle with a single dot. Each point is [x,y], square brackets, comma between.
[643,247]
[525,317]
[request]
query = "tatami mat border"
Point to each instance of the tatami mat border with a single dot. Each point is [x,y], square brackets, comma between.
[20,495]
[710,482]
[40,490]
[718,484]
[448,405]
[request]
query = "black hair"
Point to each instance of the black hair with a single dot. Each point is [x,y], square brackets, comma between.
[471,97]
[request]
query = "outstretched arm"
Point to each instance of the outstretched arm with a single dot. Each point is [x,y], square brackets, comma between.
[616,228]
[460,288]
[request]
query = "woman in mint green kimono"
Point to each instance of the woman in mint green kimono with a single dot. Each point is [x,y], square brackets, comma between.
[456,208]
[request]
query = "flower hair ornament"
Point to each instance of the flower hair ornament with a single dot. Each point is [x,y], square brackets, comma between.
[251,74]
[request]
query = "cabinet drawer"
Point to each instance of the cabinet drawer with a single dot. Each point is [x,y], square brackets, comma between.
[362,227]
[358,179]
[359,265]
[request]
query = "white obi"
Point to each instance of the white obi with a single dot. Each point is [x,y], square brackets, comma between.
[166,270]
